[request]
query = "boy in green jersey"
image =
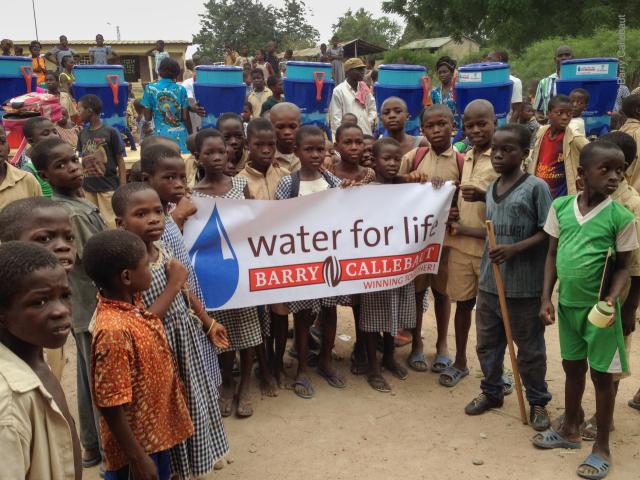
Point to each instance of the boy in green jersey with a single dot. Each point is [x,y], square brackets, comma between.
[582,228]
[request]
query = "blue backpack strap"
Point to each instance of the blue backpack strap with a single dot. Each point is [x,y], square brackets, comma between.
[295,184]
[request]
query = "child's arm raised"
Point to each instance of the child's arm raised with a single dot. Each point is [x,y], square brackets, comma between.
[176,277]
[140,464]
[547,312]
[502,253]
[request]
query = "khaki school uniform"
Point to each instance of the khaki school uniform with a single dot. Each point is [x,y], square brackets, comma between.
[572,145]
[632,127]
[288,160]
[102,200]
[263,187]
[444,166]
[465,252]
[18,184]
[191,168]
[256,99]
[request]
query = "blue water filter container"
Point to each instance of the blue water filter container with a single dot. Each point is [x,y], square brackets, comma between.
[219,89]
[488,81]
[598,76]
[408,82]
[309,86]
[16,77]
[107,82]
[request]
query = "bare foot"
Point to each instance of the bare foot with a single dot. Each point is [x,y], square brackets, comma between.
[280,377]
[268,386]
[227,392]
[244,408]
[398,371]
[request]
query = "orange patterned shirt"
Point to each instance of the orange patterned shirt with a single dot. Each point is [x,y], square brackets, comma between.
[132,366]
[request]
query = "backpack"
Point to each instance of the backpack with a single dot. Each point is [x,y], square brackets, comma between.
[35,104]
[421,152]
[295,183]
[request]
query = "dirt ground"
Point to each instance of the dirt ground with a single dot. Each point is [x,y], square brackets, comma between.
[417,431]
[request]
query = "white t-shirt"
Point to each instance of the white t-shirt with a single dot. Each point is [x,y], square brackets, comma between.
[516,96]
[188,86]
[307,187]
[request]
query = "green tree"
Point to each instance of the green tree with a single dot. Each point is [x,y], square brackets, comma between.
[293,29]
[516,23]
[361,24]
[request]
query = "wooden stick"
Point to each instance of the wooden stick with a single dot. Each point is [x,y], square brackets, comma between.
[507,324]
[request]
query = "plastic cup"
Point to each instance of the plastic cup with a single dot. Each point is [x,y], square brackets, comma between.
[601,314]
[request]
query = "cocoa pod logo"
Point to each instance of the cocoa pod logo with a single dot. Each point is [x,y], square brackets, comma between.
[332,271]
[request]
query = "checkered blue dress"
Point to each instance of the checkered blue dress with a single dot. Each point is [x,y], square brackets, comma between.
[284,191]
[388,310]
[198,454]
[244,326]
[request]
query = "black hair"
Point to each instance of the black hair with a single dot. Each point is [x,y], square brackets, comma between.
[272,80]
[92,102]
[31,124]
[350,115]
[246,104]
[377,146]
[15,217]
[503,54]
[257,71]
[19,260]
[108,253]
[41,150]
[205,133]
[169,68]
[626,143]
[259,125]
[135,173]
[230,116]
[593,151]
[123,194]
[345,126]
[522,133]
[582,92]
[150,157]
[447,61]
[631,105]
[161,42]
[65,59]
[35,43]
[308,131]
[435,108]
[366,136]
[191,143]
[152,140]
[558,100]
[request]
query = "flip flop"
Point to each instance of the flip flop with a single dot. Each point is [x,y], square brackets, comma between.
[244,409]
[551,439]
[305,383]
[453,373]
[334,379]
[378,383]
[633,404]
[596,462]
[91,461]
[396,370]
[507,386]
[417,361]
[443,360]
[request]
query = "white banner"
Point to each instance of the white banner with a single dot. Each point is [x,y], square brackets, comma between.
[337,242]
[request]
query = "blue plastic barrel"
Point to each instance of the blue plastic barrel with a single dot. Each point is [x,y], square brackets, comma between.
[16,77]
[218,75]
[312,97]
[487,81]
[305,70]
[97,74]
[589,68]
[408,82]
[219,99]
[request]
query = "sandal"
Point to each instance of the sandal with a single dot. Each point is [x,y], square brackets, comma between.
[302,388]
[440,363]
[378,383]
[418,361]
[453,374]
[599,464]
[634,404]
[396,370]
[552,439]
[244,409]
[334,379]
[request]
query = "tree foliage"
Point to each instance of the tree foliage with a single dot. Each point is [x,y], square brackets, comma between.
[381,31]
[516,23]
[255,24]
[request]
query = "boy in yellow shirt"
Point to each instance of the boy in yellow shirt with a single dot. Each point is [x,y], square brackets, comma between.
[14,184]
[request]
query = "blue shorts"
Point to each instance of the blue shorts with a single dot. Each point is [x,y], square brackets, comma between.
[161,459]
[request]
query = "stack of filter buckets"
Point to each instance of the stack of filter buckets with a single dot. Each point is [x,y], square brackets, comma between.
[488,81]
[310,87]
[408,82]
[107,82]
[16,79]
[598,76]
[219,89]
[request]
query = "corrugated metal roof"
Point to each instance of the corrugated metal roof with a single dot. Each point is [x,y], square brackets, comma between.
[107,42]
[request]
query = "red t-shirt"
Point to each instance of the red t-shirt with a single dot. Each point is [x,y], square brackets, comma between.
[551,164]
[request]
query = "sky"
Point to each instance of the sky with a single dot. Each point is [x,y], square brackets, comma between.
[146,19]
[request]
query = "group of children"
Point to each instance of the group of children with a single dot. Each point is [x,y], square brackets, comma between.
[156,369]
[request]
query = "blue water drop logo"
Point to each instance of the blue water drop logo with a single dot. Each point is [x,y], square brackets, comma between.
[215,262]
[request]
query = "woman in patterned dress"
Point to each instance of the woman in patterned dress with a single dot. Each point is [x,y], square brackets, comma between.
[243,324]
[140,211]
[443,93]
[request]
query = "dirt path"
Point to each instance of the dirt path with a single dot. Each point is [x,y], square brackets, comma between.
[418,431]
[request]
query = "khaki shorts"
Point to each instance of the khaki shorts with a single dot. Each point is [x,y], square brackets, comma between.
[102,200]
[464,271]
[437,282]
